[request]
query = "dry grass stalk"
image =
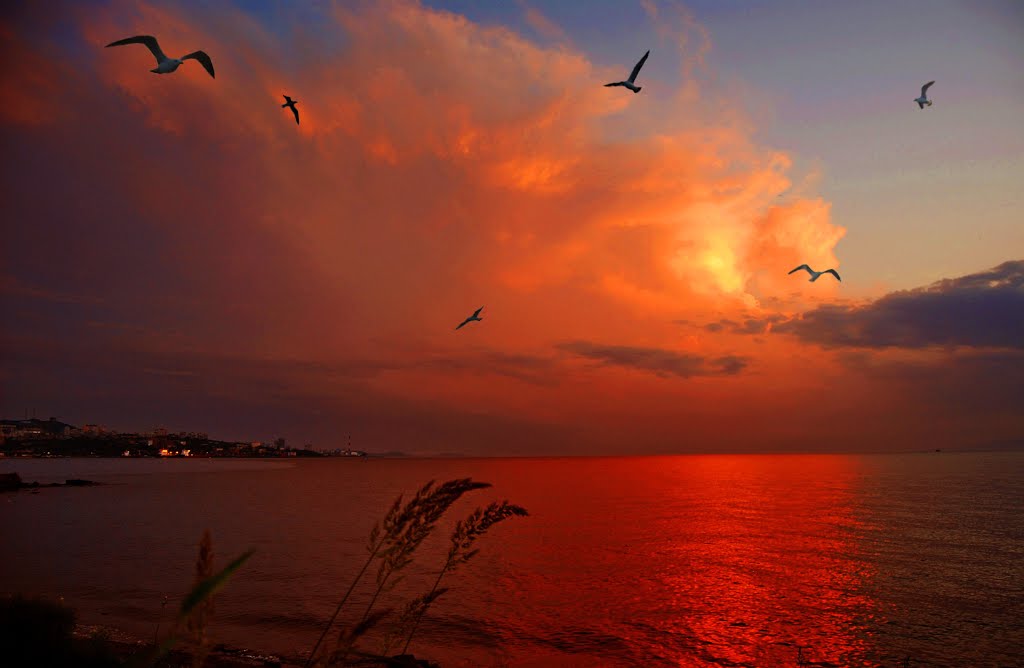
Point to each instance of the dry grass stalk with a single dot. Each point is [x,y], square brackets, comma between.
[420,517]
[159,619]
[466,533]
[348,637]
[394,540]
[197,621]
[196,607]
[374,545]
[412,611]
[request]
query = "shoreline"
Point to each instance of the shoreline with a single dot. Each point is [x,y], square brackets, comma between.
[124,646]
[12,482]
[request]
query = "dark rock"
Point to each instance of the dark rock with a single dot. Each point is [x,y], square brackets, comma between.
[9,481]
[410,661]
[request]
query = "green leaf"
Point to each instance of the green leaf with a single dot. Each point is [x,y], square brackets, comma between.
[210,585]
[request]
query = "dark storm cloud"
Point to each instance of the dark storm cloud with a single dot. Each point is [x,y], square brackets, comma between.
[659,361]
[982,310]
[750,326]
[982,384]
[716,327]
[527,368]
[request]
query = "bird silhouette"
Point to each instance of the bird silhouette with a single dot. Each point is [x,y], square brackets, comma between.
[923,101]
[475,317]
[291,104]
[628,83]
[815,275]
[165,65]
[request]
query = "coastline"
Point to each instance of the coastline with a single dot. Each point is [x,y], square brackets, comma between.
[123,647]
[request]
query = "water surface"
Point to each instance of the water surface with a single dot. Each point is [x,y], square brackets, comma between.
[645,561]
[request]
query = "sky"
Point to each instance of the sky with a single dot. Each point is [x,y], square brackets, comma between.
[177,253]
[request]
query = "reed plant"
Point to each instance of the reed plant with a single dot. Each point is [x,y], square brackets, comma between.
[200,617]
[196,608]
[159,620]
[393,541]
[463,538]
[348,637]
[422,521]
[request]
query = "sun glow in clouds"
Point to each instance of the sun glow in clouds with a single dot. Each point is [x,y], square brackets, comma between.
[317,272]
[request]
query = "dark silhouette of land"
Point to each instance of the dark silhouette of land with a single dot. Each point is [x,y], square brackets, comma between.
[133,445]
[53,438]
[12,482]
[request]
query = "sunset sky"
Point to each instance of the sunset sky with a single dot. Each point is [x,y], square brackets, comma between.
[177,253]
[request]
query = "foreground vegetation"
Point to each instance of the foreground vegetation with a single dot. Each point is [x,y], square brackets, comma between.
[35,632]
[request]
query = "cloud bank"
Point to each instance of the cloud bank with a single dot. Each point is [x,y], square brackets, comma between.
[982,310]
[177,250]
[661,362]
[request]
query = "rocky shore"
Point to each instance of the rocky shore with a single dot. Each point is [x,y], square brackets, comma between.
[44,634]
[220,656]
[12,482]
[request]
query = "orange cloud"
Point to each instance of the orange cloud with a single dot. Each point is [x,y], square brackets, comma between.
[441,165]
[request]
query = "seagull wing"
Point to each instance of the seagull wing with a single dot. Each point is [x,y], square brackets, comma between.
[295,111]
[204,59]
[803,266]
[636,68]
[476,313]
[924,88]
[617,83]
[462,324]
[834,273]
[148,40]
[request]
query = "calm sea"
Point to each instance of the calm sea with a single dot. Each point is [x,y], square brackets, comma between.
[645,561]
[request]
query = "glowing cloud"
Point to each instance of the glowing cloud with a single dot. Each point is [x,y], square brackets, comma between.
[440,165]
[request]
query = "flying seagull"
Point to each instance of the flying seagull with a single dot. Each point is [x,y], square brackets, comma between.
[923,100]
[628,83]
[815,275]
[475,316]
[291,103]
[165,65]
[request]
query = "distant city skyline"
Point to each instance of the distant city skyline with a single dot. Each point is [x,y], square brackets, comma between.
[178,251]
